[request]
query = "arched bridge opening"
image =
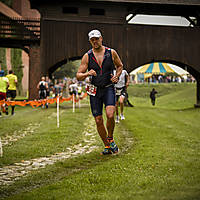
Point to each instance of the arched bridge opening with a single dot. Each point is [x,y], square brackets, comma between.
[59,64]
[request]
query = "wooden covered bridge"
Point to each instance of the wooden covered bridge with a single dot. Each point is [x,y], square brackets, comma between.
[65,25]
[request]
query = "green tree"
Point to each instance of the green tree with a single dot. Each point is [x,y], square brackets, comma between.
[3,59]
[67,70]
[16,61]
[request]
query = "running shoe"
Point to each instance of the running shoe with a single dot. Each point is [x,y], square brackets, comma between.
[117,119]
[114,147]
[122,117]
[106,151]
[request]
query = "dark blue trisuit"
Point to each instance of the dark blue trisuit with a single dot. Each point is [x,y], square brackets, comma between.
[105,89]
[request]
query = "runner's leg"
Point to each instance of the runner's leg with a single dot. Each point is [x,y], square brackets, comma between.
[122,104]
[101,129]
[110,111]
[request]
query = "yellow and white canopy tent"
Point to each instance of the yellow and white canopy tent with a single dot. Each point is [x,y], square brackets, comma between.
[150,69]
[178,70]
[146,71]
[156,68]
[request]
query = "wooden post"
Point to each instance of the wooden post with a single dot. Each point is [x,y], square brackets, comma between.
[58,111]
[1,149]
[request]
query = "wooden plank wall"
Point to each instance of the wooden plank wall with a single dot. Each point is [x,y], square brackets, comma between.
[136,44]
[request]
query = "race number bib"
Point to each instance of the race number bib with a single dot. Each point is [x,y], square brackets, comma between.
[118,92]
[91,89]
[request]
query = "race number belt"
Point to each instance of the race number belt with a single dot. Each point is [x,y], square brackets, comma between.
[91,89]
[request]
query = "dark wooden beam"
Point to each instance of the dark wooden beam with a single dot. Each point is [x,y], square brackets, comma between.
[35,3]
[177,2]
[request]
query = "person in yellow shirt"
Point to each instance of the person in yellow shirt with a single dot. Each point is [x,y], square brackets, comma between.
[12,89]
[3,87]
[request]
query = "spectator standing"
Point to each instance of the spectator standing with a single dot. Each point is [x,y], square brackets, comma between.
[4,83]
[12,89]
[153,96]
[48,82]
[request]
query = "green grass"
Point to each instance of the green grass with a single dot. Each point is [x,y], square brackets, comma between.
[159,156]
[46,138]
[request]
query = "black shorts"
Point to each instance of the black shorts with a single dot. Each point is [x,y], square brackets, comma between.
[42,94]
[104,96]
[120,92]
[48,93]
[73,92]
[11,94]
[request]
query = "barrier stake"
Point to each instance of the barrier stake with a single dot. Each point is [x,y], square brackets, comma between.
[73,99]
[58,123]
[79,102]
[1,149]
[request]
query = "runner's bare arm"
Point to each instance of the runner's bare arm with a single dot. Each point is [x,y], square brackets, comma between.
[82,71]
[38,86]
[7,83]
[128,80]
[118,64]
[46,84]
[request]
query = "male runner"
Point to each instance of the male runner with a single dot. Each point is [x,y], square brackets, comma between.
[42,87]
[121,88]
[100,62]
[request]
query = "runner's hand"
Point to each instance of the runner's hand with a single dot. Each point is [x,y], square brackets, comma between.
[114,79]
[92,73]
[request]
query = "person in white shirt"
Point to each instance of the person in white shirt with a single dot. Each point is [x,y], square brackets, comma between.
[121,88]
[42,87]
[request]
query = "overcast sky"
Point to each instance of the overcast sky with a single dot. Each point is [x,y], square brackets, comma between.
[159,20]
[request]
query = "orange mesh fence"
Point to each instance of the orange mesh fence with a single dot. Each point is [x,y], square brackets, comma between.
[37,103]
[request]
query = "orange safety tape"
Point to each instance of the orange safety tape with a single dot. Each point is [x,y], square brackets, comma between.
[37,103]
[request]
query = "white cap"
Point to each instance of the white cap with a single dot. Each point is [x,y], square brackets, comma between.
[94,33]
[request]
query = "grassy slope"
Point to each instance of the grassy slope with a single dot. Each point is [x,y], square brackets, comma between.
[162,163]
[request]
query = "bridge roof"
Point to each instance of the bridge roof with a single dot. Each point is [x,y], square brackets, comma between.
[175,2]
[184,8]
